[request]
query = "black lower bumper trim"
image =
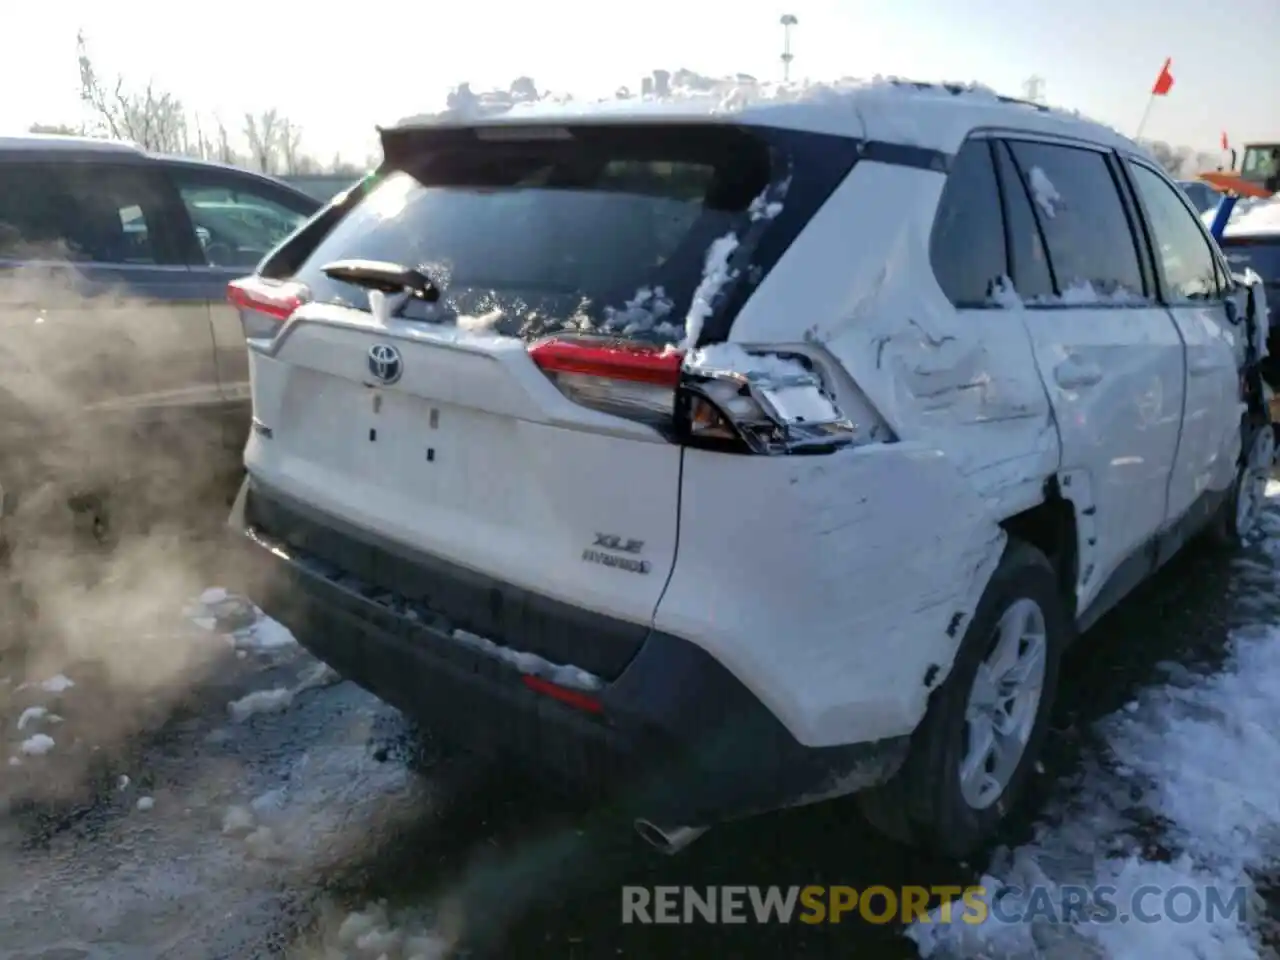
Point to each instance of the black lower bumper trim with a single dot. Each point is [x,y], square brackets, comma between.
[482,605]
[679,739]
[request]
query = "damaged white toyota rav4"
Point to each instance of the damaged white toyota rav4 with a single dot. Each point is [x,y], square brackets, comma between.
[724,457]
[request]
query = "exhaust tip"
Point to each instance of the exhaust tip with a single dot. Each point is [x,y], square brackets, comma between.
[670,841]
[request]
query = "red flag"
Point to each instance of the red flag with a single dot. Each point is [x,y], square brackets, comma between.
[1226,145]
[1164,82]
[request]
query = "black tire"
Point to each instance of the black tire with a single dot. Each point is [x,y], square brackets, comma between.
[1225,529]
[923,805]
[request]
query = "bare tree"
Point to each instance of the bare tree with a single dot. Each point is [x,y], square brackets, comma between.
[223,152]
[153,119]
[264,132]
[58,128]
[290,140]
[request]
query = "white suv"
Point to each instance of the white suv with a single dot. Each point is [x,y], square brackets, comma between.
[723,457]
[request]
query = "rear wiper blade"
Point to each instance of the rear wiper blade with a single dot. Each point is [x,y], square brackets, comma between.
[384,276]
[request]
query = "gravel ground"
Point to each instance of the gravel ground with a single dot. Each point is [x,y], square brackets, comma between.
[183,781]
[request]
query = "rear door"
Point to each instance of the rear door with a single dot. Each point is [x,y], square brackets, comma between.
[236,219]
[1193,288]
[1108,353]
[95,307]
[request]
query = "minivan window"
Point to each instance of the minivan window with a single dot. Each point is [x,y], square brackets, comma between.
[1181,246]
[1077,203]
[87,213]
[967,245]
[237,220]
[606,231]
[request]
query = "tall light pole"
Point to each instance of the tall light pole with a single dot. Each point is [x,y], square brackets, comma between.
[788,21]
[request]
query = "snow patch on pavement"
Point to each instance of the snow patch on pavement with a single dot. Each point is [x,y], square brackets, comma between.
[260,701]
[376,931]
[247,628]
[30,715]
[37,746]
[1199,756]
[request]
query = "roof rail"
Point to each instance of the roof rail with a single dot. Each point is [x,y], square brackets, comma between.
[1043,108]
[955,89]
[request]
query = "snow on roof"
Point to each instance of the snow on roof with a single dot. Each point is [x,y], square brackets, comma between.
[58,141]
[935,116]
[1258,219]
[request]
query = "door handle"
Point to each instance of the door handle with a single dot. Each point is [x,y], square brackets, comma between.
[1198,368]
[1071,374]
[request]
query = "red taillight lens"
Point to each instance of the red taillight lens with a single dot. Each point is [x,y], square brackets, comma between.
[270,298]
[636,381]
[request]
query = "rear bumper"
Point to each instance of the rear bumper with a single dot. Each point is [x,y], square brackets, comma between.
[676,738]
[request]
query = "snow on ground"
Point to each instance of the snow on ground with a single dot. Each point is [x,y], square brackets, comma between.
[247,627]
[1199,758]
[260,701]
[374,931]
[176,868]
[38,745]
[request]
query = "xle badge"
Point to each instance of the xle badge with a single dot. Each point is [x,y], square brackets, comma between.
[610,542]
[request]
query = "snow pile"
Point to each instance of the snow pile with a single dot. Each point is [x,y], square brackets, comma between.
[1198,756]
[682,90]
[30,715]
[1046,194]
[565,675]
[1077,293]
[260,701]
[1263,217]
[715,274]
[646,312]
[377,932]
[247,627]
[37,746]
[57,684]
[730,359]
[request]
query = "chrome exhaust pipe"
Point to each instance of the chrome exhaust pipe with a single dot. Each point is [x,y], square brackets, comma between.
[669,841]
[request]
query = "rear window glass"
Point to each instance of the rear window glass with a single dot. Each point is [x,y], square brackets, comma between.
[1263,258]
[602,231]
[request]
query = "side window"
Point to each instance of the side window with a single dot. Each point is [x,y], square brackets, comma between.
[1028,261]
[1190,269]
[34,214]
[967,247]
[238,221]
[87,213]
[1092,249]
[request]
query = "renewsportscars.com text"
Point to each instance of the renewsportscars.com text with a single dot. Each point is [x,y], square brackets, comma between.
[815,904]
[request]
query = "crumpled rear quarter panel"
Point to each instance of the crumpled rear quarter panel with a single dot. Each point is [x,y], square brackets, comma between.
[836,588]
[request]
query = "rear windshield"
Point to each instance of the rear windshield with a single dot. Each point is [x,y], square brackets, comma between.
[1262,256]
[599,229]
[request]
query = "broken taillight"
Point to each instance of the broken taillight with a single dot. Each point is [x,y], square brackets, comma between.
[274,301]
[724,397]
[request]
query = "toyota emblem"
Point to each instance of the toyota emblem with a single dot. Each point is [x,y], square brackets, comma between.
[385,363]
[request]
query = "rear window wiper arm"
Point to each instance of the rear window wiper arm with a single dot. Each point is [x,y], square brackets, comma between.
[384,276]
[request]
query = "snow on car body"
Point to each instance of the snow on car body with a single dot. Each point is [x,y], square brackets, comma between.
[851,427]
